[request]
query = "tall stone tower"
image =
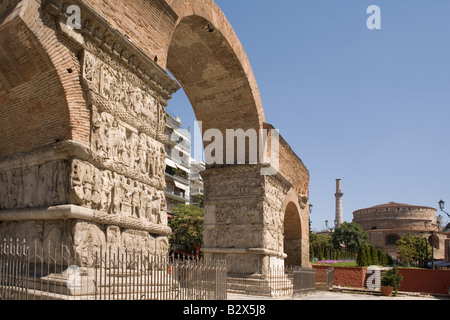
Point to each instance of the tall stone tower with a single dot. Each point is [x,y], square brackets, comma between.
[339,218]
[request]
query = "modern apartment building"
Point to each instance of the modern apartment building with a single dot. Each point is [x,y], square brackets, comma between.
[178,167]
[183,179]
[196,182]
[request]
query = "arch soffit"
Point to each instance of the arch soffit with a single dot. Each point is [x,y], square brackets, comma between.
[229,55]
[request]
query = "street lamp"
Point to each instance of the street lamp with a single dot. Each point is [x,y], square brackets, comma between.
[441,206]
[310,208]
[432,230]
[424,258]
[331,231]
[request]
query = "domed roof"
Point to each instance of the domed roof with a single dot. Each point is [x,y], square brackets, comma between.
[394,205]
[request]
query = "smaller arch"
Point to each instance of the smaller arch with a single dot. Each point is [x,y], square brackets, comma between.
[292,243]
[391,239]
[292,230]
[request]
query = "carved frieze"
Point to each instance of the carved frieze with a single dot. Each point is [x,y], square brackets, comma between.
[109,192]
[34,186]
[115,143]
[241,182]
[274,215]
[122,94]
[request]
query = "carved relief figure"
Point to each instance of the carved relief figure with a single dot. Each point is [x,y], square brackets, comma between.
[118,193]
[135,200]
[88,183]
[141,154]
[99,132]
[3,190]
[30,183]
[146,204]
[149,111]
[61,182]
[108,82]
[96,190]
[106,192]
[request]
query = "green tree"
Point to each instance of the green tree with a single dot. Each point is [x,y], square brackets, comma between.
[187,225]
[368,255]
[389,259]
[373,255]
[382,258]
[320,243]
[349,236]
[361,259]
[412,249]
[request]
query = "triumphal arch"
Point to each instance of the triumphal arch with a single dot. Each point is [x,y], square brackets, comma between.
[83,91]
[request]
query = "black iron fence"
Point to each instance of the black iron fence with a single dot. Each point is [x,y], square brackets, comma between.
[279,281]
[53,272]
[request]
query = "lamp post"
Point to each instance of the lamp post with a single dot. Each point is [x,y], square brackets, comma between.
[441,207]
[331,231]
[432,230]
[424,242]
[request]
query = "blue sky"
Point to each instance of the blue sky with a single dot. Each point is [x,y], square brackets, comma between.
[371,107]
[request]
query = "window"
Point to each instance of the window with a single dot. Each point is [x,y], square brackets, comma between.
[391,240]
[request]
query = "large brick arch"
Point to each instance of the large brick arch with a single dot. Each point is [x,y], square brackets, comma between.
[213,67]
[101,93]
[41,103]
[213,77]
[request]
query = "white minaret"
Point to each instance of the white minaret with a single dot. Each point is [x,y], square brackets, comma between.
[338,195]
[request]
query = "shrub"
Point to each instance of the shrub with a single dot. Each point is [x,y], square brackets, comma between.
[392,278]
[361,259]
[373,255]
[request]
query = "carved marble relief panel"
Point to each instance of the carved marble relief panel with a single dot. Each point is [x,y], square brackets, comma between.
[34,186]
[126,95]
[116,194]
[116,143]
[274,214]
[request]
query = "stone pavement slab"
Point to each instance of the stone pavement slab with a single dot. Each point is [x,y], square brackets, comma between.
[326,295]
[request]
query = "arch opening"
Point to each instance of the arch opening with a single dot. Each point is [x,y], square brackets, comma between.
[213,77]
[292,235]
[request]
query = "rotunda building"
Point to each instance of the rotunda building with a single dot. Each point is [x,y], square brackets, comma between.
[387,223]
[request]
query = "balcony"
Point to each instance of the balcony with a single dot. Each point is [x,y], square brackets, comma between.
[196,192]
[176,195]
[177,178]
[196,176]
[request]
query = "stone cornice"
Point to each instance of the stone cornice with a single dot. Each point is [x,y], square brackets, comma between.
[97,30]
[66,212]
[252,251]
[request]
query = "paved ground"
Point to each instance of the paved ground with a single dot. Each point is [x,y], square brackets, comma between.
[325,295]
